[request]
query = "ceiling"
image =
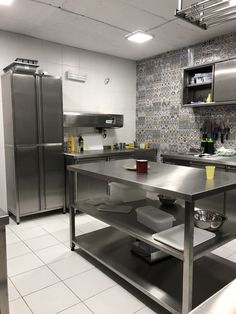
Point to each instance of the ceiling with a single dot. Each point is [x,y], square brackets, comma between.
[101,25]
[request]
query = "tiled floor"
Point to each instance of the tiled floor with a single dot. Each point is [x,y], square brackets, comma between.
[45,277]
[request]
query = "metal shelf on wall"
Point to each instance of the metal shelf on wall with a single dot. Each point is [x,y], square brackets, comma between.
[199,84]
[210,104]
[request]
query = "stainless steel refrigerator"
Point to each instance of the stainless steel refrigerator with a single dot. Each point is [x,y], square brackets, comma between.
[33,134]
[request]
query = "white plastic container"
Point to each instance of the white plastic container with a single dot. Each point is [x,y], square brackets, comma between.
[154,218]
[125,193]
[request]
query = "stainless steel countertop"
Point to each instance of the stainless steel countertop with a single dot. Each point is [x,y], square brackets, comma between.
[223,301]
[185,183]
[104,153]
[216,160]
[4,218]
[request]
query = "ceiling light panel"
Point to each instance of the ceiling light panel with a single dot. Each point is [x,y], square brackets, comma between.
[139,37]
[6,2]
[207,13]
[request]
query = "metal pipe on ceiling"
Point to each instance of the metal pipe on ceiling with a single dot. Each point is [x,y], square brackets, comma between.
[218,12]
[219,22]
[208,12]
[219,16]
[210,2]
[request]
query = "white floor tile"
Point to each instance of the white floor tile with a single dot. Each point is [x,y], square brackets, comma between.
[45,220]
[51,300]
[22,264]
[30,233]
[42,242]
[82,219]
[54,253]
[89,283]
[34,280]
[19,307]
[223,252]
[55,226]
[232,258]
[24,225]
[231,245]
[12,292]
[17,249]
[64,234]
[115,300]
[77,309]
[145,310]
[11,237]
[70,266]
[90,227]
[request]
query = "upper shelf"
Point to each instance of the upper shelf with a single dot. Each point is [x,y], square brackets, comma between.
[210,104]
[199,84]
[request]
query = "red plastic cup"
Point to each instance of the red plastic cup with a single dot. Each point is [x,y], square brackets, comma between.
[141,166]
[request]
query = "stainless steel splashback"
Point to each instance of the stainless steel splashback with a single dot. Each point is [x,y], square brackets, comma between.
[96,120]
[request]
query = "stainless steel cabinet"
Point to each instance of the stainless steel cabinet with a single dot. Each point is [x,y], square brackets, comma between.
[54,177]
[225,81]
[51,111]
[24,109]
[33,136]
[27,179]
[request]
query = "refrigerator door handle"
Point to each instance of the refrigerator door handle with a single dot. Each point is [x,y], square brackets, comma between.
[51,145]
[25,147]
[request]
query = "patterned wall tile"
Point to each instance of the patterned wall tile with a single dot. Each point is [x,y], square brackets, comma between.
[161,119]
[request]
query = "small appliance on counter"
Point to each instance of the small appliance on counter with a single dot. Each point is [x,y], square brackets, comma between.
[212,131]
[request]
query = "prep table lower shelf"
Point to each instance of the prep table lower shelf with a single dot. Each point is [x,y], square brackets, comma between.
[128,223]
[161,281]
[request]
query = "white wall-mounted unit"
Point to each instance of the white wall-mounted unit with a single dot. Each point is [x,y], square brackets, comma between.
[73,76]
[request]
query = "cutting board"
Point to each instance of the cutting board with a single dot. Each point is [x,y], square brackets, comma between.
[174,237]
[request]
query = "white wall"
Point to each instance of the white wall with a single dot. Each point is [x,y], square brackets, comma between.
[119,96]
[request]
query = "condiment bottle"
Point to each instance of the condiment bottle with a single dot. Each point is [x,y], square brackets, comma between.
[80,144]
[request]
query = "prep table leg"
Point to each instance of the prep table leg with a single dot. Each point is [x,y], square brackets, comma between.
[225,200]
[72,176]
[188,258]
[4,306]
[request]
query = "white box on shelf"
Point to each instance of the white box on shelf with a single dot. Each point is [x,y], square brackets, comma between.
[154,218]
[125,193]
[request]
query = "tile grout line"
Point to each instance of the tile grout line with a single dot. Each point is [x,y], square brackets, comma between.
[96,294]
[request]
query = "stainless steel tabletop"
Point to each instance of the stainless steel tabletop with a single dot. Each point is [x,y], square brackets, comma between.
[103,153]
[185,183]
[223,301]
[215,160]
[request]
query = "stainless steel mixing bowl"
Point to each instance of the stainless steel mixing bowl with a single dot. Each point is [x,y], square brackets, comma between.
[166,200]
[209,220]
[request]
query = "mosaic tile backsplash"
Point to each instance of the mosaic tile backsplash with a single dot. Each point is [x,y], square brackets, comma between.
[160,117]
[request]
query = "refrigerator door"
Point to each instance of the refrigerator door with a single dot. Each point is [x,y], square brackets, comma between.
[27,173]
[54,182]
[25,109]
[51,109]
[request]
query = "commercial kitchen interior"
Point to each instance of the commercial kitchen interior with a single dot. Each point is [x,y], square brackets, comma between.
[86,47]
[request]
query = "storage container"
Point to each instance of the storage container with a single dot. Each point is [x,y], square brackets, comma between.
[154,218]
[125,193]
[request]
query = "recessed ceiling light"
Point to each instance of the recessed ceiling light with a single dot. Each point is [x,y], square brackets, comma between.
[139,37]
[6,2]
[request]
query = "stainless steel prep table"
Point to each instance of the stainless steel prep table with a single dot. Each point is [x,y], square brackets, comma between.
[4,305]
[110,244]
[191,160]
[98,155]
